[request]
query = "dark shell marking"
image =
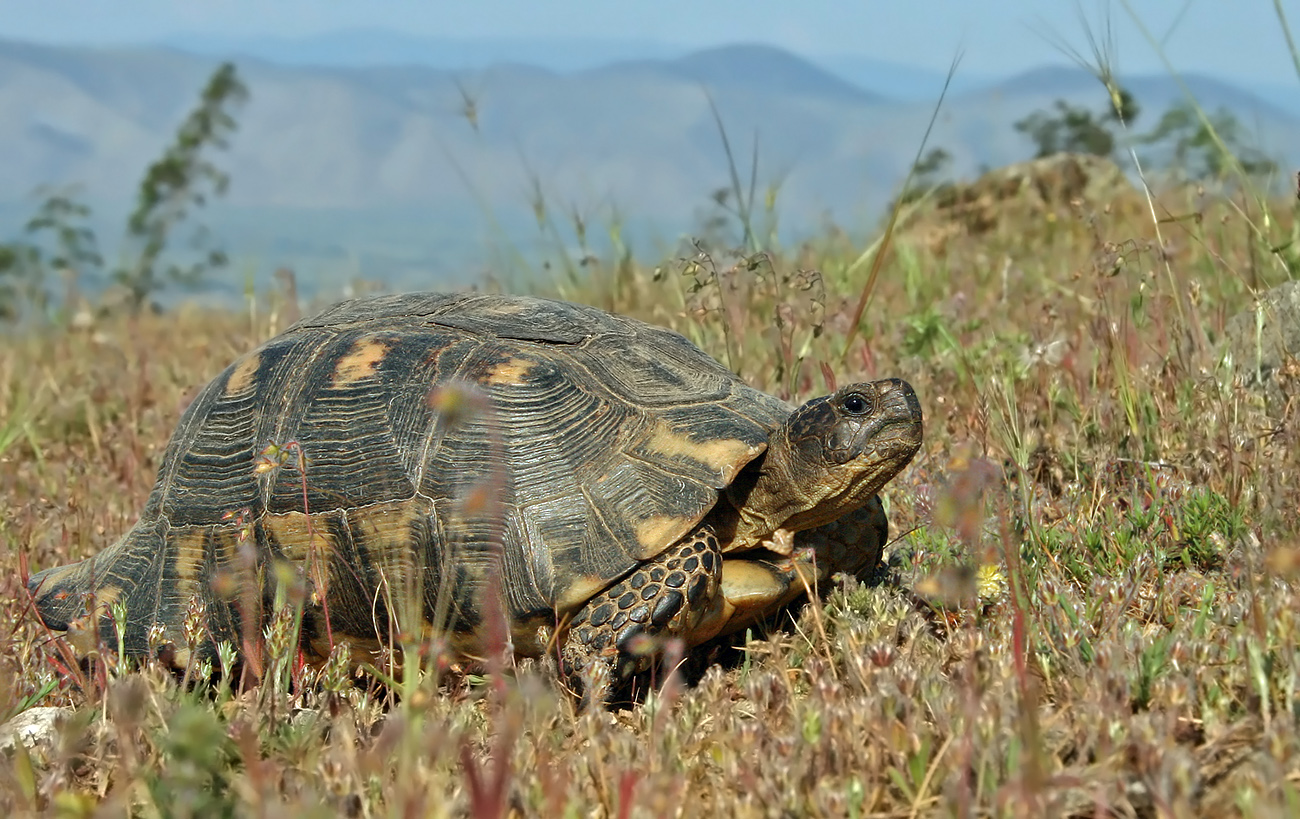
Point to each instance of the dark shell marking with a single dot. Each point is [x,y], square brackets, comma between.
[601,441]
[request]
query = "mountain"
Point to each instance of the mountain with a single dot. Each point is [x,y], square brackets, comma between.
[1284,96]
[1154,93]
[750,68]
[900,82]
[362,168]
[370,47]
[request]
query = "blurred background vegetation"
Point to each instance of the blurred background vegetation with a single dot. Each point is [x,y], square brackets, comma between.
[423,176]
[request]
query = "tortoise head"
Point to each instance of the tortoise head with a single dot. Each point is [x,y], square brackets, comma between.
[830,457]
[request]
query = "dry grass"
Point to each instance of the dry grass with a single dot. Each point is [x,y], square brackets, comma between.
[1092,608]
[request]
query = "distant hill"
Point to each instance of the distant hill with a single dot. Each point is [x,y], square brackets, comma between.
[1155,93]
[378,166]
[363,47]
[749,69]
[370,47]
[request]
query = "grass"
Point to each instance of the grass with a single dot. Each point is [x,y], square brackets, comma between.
[1091,607]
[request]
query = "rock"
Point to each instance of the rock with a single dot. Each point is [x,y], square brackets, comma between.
[1262,345]
[1048,182]
[34,727]
[1050,187]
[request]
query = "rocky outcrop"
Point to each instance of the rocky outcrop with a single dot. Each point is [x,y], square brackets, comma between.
[1050,187]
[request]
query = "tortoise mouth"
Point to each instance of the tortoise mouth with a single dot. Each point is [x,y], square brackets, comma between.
[899,437]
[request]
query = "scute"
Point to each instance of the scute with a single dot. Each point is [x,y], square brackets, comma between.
[585,443]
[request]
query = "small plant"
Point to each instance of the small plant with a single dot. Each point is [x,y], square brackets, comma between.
[59,242]
[1206,149]
[196,756]
[929,173]
[1069,128]
[181,180]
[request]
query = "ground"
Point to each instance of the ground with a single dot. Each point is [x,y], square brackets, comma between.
[1090,607]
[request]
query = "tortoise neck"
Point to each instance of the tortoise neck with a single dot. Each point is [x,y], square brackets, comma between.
[768,496]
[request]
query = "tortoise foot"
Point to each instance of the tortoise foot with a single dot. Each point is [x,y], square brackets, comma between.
[626,628]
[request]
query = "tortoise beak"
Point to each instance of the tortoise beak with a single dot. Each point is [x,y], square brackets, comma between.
[889,429]
[899,421]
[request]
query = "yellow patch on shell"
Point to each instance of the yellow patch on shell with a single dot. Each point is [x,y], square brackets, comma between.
[656,533]
[226,547]
[241,378]
[382,537]
[360,362]
[724,456]
[181,658]
[189,549]
[227,568]
[305,542]
[510,373]
[106,596]
[577,591]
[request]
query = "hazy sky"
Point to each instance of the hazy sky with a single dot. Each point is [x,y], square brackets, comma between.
[1239,39]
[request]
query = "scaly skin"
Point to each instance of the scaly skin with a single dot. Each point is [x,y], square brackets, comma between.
[664,598]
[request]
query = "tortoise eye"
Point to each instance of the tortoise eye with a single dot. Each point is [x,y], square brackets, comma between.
[855,403]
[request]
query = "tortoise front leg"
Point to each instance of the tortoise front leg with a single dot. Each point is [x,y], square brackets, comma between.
[754,588]
[622,630]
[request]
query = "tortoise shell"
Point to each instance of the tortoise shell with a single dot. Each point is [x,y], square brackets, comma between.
[443,434]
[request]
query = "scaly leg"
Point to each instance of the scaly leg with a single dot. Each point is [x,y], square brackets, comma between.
[622,630]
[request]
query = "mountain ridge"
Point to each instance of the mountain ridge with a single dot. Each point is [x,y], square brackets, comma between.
[632,141]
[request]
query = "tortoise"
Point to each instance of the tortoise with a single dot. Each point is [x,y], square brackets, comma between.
[596,479]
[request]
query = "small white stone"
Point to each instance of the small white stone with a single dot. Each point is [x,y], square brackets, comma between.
[35,726]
